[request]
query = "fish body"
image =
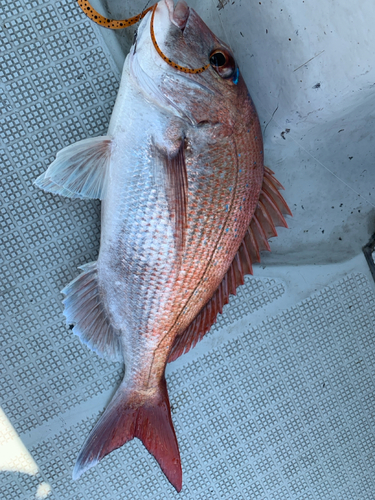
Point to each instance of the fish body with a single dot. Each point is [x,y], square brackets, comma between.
[156,279]
[181,177]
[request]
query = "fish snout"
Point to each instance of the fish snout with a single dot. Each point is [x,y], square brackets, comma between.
[178,14]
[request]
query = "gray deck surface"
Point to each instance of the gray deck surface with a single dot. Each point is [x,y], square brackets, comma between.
[276,403]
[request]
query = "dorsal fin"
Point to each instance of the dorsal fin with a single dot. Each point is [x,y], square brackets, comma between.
[268,214]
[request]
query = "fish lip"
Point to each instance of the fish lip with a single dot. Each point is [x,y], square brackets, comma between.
[178,14]
[170,6]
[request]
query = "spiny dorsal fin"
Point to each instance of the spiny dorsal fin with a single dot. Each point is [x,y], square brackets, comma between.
[268,214]
[83,307]
[79,170]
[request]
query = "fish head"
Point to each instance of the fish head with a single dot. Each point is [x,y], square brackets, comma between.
[216,95]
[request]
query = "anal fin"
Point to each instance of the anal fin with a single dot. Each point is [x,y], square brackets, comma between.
[83,307]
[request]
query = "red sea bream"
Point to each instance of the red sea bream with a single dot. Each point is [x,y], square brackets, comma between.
[187,205]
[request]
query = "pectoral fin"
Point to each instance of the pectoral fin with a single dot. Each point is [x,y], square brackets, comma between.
[176,189]
[48,185]
[79,170]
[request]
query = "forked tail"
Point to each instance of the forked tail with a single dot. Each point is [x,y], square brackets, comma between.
[128,416]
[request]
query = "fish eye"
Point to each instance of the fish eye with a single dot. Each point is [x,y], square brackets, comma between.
[223,63]
[218,59]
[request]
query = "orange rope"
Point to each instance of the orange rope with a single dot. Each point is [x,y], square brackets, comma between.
[124,23]
[109,23]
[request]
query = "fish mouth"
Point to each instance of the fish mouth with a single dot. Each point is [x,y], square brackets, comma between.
[179,13]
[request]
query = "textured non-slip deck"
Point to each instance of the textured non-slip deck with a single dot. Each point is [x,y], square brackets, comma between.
[283,410]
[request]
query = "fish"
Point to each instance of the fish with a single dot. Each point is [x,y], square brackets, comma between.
[187,207]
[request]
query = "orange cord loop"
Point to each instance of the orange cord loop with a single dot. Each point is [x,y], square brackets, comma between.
[124,23]
[110,23]
[165,58]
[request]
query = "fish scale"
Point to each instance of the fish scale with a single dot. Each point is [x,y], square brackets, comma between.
[247,182]
[187,205]
[131,238]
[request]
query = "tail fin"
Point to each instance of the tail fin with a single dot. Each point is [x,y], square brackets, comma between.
[127,417]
